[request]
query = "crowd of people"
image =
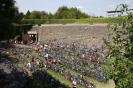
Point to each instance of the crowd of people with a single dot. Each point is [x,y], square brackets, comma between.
[88,61]
[59,57]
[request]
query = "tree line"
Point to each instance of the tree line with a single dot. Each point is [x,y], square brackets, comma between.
[62,13]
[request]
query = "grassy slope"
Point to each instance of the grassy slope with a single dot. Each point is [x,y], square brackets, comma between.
[64,81]
[98,84]
[64,21]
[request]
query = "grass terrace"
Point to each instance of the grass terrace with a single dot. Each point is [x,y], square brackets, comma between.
[65,21]
[58,76]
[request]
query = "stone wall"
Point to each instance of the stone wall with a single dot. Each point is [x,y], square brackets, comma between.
[84,33]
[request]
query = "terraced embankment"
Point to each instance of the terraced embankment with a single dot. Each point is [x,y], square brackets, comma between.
[84,33]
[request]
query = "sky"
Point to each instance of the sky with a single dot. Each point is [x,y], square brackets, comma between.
[91,7]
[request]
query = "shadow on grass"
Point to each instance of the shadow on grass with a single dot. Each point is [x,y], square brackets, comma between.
[41,79]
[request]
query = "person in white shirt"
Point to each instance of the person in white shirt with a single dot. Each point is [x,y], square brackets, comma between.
[46,55]
[74,83]
[29,65]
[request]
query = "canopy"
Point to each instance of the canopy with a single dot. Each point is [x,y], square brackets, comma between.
[32,32]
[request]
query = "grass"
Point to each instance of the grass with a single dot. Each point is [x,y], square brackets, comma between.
[68,83]
[108,84]
[98,84]
[61,78]
[65,21]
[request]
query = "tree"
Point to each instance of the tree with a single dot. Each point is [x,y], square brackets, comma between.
[69,13]
[8,14]
[35,15]
[44,15]
[27,16]
[50,16]
[120,64]
[61,13]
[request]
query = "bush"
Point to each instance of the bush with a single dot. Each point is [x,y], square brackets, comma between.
[120,44]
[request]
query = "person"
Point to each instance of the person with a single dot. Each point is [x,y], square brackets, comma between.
[74,83]
[54,61]
[46,55]
[33,59]
[37,61]
[29,65]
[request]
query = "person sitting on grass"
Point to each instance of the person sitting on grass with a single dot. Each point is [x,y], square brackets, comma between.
[74,83]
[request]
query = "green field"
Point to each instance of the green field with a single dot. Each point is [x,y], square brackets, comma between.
[65,21]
